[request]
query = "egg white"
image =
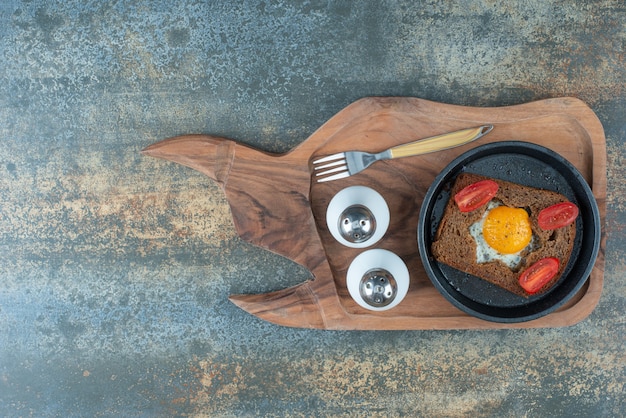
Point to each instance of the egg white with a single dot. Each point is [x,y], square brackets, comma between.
[485,253]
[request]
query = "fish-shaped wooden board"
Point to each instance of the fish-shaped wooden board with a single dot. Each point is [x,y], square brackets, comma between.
[276,204]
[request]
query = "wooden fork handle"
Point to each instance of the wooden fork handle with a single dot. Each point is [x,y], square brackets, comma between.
[440,142]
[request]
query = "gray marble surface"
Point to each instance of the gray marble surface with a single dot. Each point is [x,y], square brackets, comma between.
[116,268]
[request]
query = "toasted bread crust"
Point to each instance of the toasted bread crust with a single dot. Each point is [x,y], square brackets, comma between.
[453,245]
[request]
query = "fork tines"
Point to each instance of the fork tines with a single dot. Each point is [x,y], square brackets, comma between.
[333,167]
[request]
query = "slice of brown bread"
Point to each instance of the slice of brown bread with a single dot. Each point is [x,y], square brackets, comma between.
[453,245]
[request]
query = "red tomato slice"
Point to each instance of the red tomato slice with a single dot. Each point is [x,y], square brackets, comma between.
[557,216]
[540,273]
[475,195]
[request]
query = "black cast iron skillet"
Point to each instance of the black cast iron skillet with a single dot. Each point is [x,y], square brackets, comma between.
[531,165]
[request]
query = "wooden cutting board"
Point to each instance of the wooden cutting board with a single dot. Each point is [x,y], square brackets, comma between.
[276,206]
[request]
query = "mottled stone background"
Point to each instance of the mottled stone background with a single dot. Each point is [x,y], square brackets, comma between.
[116,268]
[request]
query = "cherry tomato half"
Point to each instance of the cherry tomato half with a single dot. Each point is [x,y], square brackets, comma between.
[475,195]
[557,216]
[540,273]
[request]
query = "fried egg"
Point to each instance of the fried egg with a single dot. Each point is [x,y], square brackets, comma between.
[503,233]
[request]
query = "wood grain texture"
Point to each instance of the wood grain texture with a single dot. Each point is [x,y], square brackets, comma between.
[277,207]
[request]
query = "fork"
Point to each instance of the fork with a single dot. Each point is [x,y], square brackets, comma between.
[349,163]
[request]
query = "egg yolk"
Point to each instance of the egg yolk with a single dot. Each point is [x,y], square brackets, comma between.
[507,230]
